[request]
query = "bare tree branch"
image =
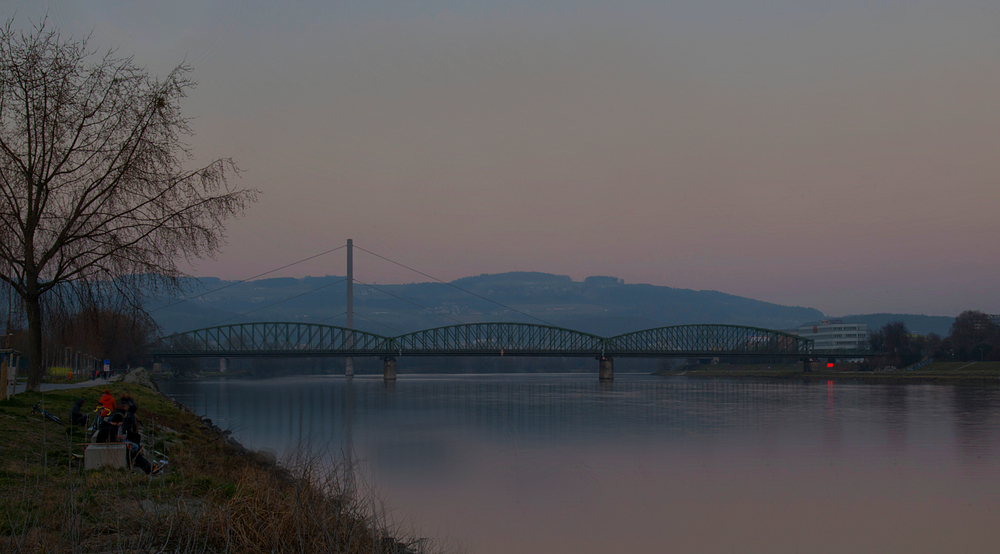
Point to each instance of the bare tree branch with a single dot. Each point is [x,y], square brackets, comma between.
[94,180]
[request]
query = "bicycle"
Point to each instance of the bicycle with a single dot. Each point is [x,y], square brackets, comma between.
[36,409]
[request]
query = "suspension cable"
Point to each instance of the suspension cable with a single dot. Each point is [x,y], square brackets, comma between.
[410,302]
[234,283]
[329,318]
[379,323]
[454,286]
[282,300]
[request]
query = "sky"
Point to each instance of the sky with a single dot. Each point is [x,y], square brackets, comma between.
[841,155]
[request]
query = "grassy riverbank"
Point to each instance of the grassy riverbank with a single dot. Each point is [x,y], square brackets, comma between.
[984,372]
[212,497]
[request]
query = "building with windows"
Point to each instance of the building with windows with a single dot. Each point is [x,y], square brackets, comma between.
[833,334]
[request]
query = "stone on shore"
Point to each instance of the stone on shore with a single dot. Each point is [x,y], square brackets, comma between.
[140,376]
[266,457]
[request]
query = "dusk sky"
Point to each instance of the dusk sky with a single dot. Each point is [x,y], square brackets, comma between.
[841,155]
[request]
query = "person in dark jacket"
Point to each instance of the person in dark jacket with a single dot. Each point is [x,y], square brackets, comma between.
[130,428]
[109,433]
[136,459]
[76,415]
[109,428]
[126,400]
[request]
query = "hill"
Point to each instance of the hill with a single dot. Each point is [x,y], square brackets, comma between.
[600,305]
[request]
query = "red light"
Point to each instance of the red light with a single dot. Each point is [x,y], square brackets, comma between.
[829,364]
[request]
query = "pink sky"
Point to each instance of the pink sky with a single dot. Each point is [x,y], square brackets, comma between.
[831,155]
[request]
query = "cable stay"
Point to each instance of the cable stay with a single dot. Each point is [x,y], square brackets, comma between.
[234,283]
[282,300]
[456,287]
[410,302]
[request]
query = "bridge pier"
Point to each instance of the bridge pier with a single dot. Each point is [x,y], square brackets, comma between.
[388,368]
[223,365]
[606,368]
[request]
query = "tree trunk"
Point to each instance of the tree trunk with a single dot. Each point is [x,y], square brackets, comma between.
[33,309]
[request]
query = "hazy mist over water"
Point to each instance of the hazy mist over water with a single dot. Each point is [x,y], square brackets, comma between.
[561,463]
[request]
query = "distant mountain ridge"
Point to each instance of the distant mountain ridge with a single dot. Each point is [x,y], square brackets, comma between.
[600,305]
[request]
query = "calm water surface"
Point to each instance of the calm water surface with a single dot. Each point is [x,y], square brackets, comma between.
[560,463]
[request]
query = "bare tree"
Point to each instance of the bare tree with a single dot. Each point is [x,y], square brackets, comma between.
[974,337]
[93,179]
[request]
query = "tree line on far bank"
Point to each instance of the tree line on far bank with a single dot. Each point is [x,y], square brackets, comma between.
[81,330]
[973,337]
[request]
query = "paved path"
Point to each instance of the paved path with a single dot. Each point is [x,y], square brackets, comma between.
[60,386]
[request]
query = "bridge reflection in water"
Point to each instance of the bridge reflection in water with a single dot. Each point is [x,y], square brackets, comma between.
[483,339]
[322,412]
[556,456]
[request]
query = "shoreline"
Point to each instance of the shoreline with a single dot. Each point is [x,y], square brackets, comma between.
[941,372]
[215,495]
[860,376]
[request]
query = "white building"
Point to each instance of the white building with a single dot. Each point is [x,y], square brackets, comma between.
[832,334]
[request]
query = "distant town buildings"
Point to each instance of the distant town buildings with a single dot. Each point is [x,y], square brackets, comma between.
[833,334]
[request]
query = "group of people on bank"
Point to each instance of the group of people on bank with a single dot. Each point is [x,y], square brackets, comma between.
[116,422]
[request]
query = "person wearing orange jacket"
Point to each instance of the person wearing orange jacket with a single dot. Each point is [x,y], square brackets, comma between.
[108,401]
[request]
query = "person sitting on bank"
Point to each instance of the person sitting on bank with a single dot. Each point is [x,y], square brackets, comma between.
[130,428]
[136,459]
[108,401]
[76,415]
[109,433]
[126,401]
[109,428]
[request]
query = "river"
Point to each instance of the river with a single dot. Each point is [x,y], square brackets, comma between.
[560,463]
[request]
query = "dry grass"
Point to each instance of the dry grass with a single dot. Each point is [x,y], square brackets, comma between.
[211,500]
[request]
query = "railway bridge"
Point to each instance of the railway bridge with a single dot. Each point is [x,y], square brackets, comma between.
[277,339]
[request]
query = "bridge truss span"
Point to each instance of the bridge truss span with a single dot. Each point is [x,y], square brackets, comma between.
[276,339]
[498,339]
[708,340]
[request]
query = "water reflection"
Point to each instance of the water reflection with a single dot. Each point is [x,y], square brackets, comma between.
[565,463]
[892,403]
[326,412]
[977,426]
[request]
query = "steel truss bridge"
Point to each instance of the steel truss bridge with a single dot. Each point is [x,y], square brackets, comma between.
[283,340]
[481,339]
